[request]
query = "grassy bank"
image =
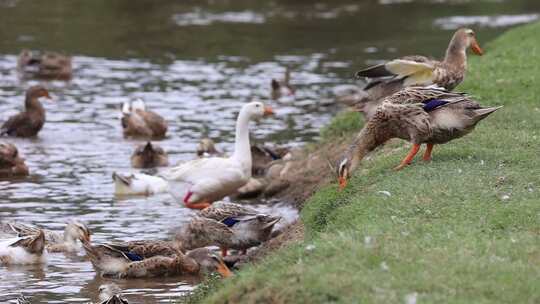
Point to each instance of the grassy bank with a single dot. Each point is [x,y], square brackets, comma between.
[464,228]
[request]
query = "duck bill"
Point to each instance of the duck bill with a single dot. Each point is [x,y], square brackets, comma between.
[224,270]
[268,111]
[475,47]
[342,183]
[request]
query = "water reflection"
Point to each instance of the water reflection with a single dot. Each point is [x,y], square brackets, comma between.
[195,63]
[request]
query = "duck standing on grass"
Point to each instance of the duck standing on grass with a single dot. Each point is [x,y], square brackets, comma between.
[200,182]
[11,164]
[392,76]
[417,114]
[138,122]
[23,250]
[29,122]
[149,156]
[229,226]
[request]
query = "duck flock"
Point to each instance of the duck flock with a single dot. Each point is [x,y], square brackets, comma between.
[409,98]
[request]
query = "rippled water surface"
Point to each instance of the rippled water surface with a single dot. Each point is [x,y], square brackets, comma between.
[195,63]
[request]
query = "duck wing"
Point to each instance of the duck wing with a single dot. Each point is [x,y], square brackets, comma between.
[15,122]
[227,213]
[147,249]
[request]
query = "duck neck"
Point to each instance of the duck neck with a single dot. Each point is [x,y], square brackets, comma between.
[456,53]
[364,143]
[242,151]
[32,104]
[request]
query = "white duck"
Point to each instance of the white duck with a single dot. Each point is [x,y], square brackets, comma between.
[23,250]
[138,184]
[200,182]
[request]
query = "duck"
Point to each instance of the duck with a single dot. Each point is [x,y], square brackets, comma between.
[420,115]
[24,250]
[200,182]
[392,76]
[54,241]
[228,226]
[149,156]
[139,122]
[111,294]
[207,148]
[138,184]
[49,65]
[29,122]
[11,164]
[152,259]
[282,88]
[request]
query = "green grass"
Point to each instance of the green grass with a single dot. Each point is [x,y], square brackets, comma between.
[464,228]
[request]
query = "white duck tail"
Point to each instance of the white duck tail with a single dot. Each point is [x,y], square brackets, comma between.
[138,184]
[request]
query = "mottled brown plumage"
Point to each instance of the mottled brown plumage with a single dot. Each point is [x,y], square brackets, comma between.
[49,65]
[29,122]
[392,76]
[419,115]
[227,225]
[151,259]
[11,164]
[148,156]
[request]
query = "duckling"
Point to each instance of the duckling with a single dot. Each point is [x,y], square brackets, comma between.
[125,261]
[49,65]
[55,242]
[227,225]
[111,294]
[149,156]
[11,164]
[207,148]
[137,121]
[29,122]
[138,184]
[23,250]
[282,89]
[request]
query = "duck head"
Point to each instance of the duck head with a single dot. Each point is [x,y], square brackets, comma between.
[256,109]
[148,155]
[343,171]
[107,291]
[206,147]
[209,262]
[465,38]
[11,160]
[37,91]
[76,230]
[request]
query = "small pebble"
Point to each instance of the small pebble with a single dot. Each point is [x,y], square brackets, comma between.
[411,298]
[384,266]
[505,197]
[387,193]
[310,247]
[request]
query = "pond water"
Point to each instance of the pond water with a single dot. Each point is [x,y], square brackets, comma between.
[196,63]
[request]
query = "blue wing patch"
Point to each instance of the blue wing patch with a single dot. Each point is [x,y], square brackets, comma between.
[133,256]
[230,221]
[433,104]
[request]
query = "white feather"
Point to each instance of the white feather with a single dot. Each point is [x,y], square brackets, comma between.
[17,255]
[139,184]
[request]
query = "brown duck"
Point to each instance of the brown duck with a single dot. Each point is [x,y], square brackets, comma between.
[282,88]
[416,114]
[11,164]
[29,122]
[49,65]
[139,122]
[392,76]
[149,156]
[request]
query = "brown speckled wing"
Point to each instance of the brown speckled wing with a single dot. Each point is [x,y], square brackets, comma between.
[222,210]
[155,122]
[147,249]
[203,232]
